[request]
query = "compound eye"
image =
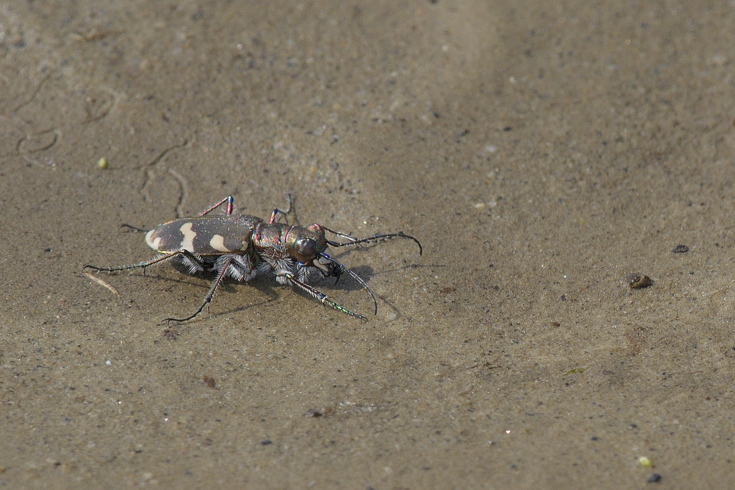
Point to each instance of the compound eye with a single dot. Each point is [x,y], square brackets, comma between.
[305,247]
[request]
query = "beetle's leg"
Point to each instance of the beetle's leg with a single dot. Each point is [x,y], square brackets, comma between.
[318,295]
[311,273]
[337,269]
[374,238]
[155,260]
[134,228]
[210,294]
[230,202]
[275,212]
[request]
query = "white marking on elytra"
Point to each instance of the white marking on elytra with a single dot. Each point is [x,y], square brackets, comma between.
[154,244]
[188,242]
[218,243]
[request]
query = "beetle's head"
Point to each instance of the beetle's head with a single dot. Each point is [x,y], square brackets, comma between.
[306,243]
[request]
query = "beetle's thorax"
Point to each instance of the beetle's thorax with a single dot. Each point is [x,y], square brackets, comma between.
[269,236]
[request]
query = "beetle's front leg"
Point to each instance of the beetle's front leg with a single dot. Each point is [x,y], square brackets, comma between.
[318,295]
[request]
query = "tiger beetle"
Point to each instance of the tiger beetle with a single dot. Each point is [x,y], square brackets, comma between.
[242,247]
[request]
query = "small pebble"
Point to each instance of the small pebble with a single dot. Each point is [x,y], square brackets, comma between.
[654,478]
[639,281]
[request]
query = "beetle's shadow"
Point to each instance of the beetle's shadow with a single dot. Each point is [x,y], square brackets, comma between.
[344,283]
[265,284]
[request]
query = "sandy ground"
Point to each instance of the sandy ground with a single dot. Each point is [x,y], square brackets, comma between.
[541,154]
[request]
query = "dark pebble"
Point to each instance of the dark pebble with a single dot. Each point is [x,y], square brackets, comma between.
[654,478]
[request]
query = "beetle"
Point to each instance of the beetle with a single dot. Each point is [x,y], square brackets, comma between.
[242,247]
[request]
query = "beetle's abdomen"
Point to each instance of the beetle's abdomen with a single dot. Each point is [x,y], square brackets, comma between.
[204,235]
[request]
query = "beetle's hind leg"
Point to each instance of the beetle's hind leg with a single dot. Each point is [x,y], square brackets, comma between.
[134,228]
[191,261]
